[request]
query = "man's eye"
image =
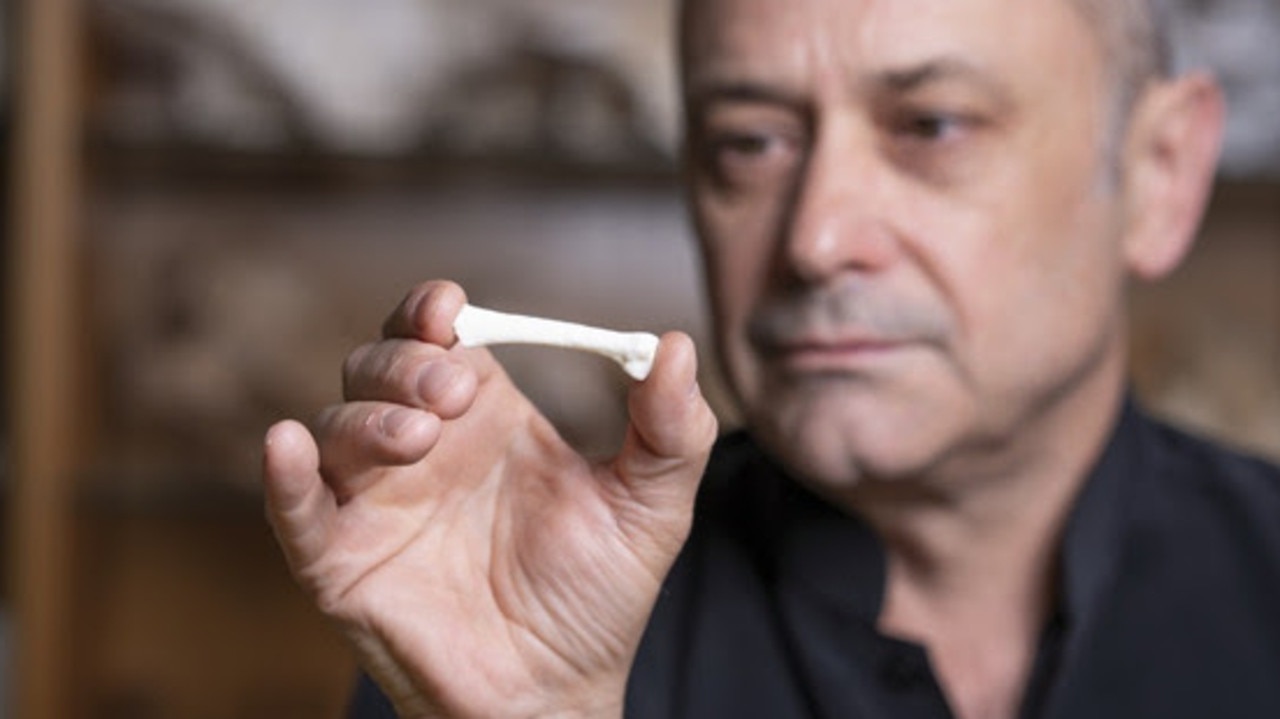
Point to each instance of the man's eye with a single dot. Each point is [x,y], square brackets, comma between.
[742,145]
[746,158]
[933,127]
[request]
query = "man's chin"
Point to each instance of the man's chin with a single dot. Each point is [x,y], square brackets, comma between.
[826,457]
[839,430]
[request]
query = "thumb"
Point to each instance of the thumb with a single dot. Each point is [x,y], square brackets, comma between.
[672,428]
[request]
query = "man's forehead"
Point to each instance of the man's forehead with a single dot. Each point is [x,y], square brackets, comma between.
[791,38]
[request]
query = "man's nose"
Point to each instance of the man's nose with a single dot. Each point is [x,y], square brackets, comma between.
[839,220]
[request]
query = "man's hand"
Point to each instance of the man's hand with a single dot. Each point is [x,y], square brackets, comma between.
[481,567]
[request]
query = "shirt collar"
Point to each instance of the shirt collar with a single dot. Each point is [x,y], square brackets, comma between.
[1093,539]
[829,553]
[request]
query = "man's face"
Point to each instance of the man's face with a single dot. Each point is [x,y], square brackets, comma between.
[908,221]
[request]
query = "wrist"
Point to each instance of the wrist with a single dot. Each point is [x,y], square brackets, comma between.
[609,710]
[601,702]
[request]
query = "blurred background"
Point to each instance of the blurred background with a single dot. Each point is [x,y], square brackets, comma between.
[208,203]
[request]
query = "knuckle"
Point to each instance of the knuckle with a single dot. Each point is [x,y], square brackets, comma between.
[384,371]
[390,366]
[327,418]
[339,426]
[353,366]
[456,395]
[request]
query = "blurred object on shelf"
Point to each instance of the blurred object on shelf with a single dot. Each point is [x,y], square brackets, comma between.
[593,81]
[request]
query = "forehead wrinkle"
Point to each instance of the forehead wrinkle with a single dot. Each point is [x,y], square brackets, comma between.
[787,45]
[797,48]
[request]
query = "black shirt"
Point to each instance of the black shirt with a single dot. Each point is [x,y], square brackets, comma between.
[1169,602]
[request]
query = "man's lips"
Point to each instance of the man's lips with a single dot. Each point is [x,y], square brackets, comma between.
[831,354]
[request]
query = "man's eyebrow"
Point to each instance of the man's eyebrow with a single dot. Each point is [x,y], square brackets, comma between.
[918,76]
[701,94]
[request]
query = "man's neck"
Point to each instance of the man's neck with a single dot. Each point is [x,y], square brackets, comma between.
[972,565]
[977,593]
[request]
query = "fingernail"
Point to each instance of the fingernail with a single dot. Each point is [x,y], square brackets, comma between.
[396,421]
[436,379]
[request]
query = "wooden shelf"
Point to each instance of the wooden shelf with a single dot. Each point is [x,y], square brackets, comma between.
[310,170]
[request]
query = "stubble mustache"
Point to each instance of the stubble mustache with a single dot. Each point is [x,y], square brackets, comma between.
[850,311]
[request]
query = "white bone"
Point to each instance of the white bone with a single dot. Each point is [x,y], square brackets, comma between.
[477,327]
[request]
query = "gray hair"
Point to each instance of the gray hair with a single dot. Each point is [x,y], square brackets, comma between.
[1135,45]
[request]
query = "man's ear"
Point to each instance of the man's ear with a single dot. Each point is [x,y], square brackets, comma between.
[1171,157]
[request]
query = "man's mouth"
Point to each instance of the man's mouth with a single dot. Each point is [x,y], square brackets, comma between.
[835,354]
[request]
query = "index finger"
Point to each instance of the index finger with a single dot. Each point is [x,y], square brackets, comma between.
[427,313]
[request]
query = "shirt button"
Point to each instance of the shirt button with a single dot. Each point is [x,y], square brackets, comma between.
[903,672]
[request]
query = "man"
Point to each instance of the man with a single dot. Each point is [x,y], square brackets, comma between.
[918,220]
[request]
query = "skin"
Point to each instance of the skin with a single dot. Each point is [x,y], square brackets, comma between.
[916,250]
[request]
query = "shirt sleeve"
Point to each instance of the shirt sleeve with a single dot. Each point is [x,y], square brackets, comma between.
[368,702]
